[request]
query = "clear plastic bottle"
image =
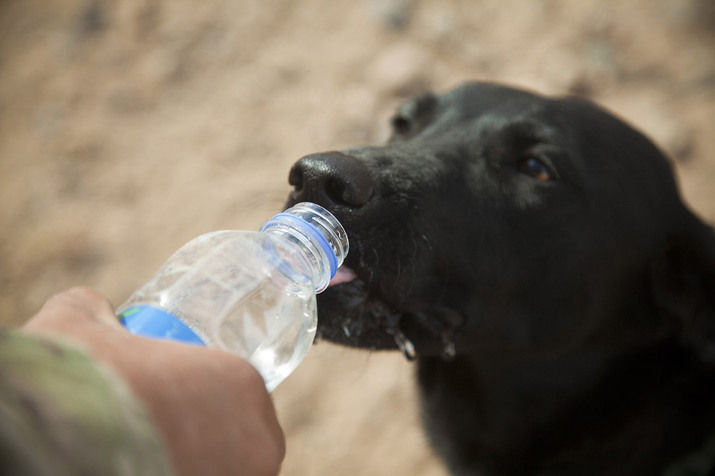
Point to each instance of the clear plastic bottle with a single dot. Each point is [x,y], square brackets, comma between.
[251,293]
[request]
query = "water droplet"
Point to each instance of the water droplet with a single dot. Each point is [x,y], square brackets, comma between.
[407,347]
[346,328]
[449,352]
[449,348]
[351,327]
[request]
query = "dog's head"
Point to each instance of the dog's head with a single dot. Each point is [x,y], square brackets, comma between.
[496,219]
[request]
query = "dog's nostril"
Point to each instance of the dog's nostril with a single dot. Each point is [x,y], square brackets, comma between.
[336,190]
[348,193]
[332,178]
[295,178]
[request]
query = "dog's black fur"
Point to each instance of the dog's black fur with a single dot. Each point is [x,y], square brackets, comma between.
[559,296]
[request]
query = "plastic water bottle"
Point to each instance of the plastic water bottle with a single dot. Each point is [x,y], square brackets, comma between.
[251,293]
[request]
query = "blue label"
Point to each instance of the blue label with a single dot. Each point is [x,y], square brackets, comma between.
[148,321]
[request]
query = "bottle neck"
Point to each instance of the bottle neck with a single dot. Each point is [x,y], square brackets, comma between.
[317,234]
[314,257]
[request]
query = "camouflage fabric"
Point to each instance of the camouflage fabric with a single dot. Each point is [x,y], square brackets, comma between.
[63,414]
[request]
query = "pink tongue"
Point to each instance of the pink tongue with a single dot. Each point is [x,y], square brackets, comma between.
[342,275]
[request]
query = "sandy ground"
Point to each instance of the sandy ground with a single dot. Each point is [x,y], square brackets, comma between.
[129,127]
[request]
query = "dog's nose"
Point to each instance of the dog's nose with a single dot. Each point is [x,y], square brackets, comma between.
[332,178]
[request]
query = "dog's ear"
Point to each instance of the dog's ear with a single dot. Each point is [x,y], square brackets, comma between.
[683,286]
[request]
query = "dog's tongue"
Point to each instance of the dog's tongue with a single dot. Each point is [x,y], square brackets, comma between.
[342,275]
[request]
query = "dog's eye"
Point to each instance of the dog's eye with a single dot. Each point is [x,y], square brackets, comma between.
[401,125]
[535,168]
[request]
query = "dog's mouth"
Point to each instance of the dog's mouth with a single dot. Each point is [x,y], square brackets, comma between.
[352,313]
[365,319]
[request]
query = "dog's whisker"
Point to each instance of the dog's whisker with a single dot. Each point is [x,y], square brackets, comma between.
[427,240]
[375,266]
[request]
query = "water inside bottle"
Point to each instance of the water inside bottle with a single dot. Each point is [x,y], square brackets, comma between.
[275,330]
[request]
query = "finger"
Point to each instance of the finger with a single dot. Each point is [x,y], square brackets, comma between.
[98,306]
[76,306]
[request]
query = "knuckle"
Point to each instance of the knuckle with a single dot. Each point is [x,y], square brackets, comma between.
[85,293]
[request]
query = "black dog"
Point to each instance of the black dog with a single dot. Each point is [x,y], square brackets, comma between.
[534,256]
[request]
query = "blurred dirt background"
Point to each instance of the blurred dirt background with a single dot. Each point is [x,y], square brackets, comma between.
[129,127]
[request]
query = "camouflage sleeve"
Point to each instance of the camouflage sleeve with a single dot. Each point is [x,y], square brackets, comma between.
[61,413]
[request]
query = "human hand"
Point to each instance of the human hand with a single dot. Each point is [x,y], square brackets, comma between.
[211,407]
